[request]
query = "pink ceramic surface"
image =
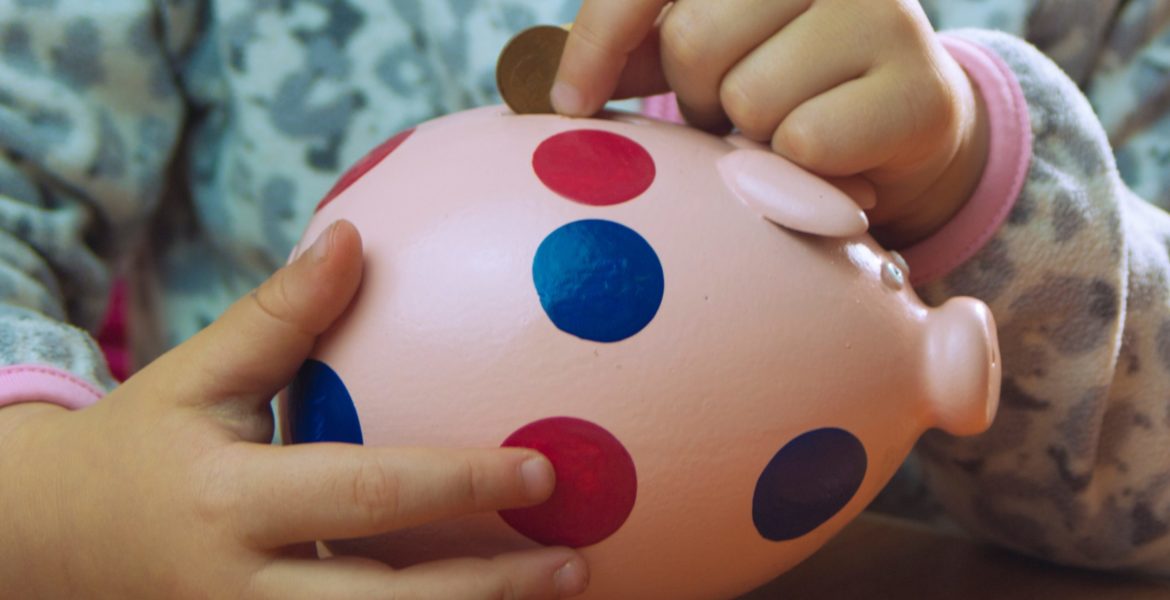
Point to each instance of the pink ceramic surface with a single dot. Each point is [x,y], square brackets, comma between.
[722,366]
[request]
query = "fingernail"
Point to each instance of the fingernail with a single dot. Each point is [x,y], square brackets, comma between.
[539,477]
[320,248]
[572,578]
[567,100]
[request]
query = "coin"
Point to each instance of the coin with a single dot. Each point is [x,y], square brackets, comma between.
[528,66]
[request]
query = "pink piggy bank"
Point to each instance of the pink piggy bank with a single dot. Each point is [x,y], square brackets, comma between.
[723,368]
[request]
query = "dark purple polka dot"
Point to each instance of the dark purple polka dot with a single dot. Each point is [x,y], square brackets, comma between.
[808,482]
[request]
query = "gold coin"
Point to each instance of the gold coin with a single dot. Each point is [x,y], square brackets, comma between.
[527,67]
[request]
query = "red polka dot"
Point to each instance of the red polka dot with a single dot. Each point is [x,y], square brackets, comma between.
[363,166]
[594,167]
[596,483]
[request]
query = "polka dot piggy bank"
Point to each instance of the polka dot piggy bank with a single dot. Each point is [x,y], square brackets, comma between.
[722,366]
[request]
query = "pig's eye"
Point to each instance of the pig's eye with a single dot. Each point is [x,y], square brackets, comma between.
[363,166]
[598,280]
[594,167]
[320,408]
[808,482]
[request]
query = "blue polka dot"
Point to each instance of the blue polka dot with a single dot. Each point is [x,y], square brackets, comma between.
[808,482]
[598,280]
[320,408]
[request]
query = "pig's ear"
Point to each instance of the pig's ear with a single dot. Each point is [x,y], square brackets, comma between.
[789,196]
[962,366]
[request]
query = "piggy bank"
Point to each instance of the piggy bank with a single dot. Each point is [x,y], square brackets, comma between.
[723,368]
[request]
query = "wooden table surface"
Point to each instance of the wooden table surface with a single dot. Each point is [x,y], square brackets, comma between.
[878,557]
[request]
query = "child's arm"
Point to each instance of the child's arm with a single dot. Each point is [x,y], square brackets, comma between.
[1075,267]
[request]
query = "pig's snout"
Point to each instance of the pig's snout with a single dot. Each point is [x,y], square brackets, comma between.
[962,366]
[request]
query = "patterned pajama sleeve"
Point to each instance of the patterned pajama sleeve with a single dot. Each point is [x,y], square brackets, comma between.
[89,114]
[1076,467]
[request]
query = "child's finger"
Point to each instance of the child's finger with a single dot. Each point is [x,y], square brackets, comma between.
[533,575]
[333,491]
[642,75]
[768,84]
[604,35]
[702,41]
[531,572]
[255,348]
[848,130]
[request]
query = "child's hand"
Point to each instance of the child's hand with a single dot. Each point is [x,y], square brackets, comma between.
[841,87]
[167,488]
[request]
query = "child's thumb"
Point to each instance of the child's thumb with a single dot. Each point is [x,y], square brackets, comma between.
[256,347]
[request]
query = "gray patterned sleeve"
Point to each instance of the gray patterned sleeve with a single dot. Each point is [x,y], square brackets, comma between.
[1076,468]
[89,115]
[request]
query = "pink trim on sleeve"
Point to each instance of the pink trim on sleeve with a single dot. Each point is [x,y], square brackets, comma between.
[1008,159]
[35,383]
